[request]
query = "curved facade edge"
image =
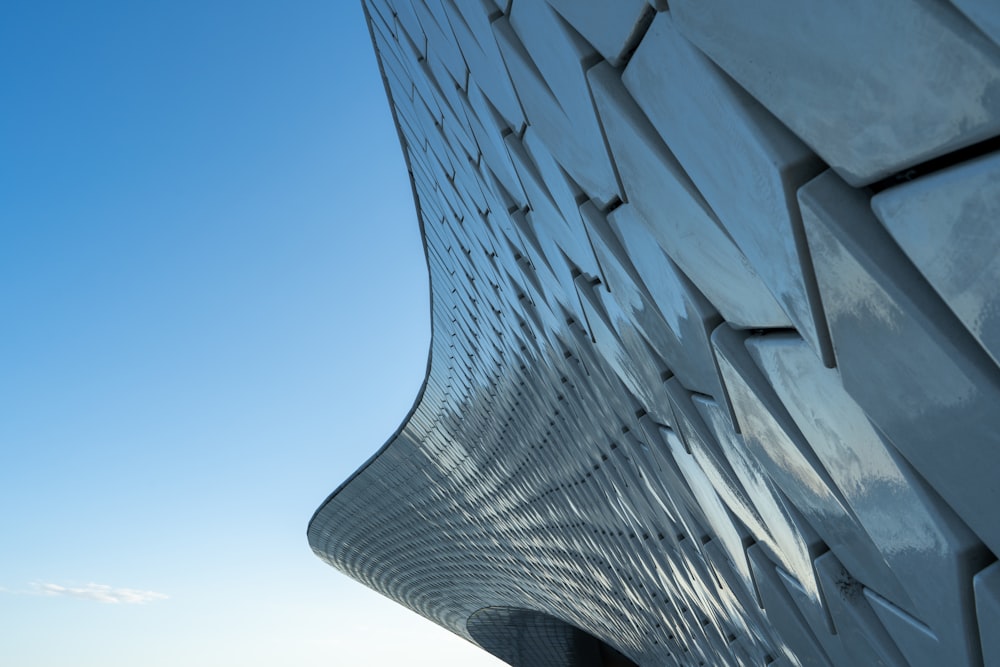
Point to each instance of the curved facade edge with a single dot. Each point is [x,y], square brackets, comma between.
[423,240]
[715,351]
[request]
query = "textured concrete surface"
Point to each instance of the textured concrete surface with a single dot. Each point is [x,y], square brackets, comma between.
[713,374]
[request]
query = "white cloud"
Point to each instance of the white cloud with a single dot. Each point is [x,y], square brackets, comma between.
[101,593]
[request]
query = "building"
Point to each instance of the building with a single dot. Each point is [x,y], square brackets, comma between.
[716,330]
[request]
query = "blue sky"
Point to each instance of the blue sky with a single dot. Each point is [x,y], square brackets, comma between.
[214,308]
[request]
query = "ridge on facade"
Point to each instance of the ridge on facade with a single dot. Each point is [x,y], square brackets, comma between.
[715,295]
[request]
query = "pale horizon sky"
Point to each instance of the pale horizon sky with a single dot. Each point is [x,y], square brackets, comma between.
[214,310]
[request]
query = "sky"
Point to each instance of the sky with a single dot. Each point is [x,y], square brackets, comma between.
[214,309]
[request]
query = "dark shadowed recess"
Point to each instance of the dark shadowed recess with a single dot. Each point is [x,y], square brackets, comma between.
[525,638]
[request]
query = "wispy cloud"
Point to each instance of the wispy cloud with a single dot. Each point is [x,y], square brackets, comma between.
[100,593]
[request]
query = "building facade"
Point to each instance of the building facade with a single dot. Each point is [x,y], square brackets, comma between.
[715,333]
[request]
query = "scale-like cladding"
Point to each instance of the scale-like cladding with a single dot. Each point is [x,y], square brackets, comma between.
[716,329]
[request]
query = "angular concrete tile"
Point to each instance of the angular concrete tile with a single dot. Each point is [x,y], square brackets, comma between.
[676,214]
[558,105]
[745,163]
[923,381]
[818,619]
[859,631]
[715,511]
[772,437]
[914,531]
[789,539]
[471,26]
[946,224]
[702,445]
[811,65]
[611,28]
[985,14]
[800,644]
[913,639]
[623,348]
[622,280]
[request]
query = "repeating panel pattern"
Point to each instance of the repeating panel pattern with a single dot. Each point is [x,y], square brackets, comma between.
[716,326]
